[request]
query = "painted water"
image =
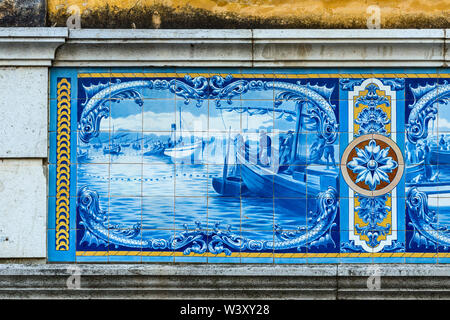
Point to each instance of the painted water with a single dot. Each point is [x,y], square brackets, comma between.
[167,196]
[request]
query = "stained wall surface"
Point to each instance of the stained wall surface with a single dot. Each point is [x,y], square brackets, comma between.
[237,14]
[249,165]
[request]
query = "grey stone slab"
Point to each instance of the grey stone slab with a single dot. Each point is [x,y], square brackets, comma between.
[23,124]
[23,209]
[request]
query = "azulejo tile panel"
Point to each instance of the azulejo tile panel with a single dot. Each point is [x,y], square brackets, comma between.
[252,165]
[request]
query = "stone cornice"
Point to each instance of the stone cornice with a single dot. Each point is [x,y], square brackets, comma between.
[163,281]
[224,48]
[30,46]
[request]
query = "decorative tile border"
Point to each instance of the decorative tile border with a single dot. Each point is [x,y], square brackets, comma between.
[112,180]
[63,164]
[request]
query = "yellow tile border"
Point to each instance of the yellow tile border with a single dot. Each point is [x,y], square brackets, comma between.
[262,75]
[270,255]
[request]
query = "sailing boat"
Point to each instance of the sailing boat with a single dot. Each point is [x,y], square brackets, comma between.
[136,144]
[113,148]
[178,150]
[125,143]
[98,145]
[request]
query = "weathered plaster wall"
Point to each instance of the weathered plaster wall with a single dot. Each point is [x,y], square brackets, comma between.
[18,13]
[173,14]
[23,173]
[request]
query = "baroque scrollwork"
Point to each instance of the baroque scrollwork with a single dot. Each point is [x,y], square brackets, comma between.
[426,229]
[425,109]
[201,240]
[312,98]
[96,107]
[372,211]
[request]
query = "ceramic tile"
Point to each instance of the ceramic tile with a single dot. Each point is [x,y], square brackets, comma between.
[175,165]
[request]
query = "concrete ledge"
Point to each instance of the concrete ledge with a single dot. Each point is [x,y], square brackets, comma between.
[255,48]
[30,46]
[190,281]
[224,48]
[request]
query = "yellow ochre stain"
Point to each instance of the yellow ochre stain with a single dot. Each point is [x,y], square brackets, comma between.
[314,13]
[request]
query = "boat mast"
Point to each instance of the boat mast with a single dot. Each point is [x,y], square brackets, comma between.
[297,132]
[180,125]
[112,137]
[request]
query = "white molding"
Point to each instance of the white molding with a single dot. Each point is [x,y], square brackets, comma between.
[224,48]
[254,48]
[30,46]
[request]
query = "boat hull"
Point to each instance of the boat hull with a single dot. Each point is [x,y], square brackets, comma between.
[234,186]
[154,152]
[112,150]
[190,152]
[413,171]
[440,156]
[301,184]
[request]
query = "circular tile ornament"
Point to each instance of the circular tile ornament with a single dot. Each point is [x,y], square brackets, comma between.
[372,165]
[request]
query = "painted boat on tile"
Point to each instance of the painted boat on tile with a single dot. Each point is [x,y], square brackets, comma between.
[82,156]
[413,171]
[112,149]
[233,187]
[440,156]
[155,151]
[262,181]
[184,152]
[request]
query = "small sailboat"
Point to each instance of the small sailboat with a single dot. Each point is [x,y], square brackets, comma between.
[137,145]
[82,156]
[178,150]
[125,144]
[97,145]
[113,148]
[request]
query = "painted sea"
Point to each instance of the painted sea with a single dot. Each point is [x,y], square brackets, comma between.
[166,196]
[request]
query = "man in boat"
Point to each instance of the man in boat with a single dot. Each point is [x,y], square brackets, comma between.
[317,150]
[170,143]
[265,145]
[328,153]
[442,143]
[423,154]
[411,152]
[285,150]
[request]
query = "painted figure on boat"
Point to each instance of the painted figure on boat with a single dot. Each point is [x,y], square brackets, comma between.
[319,150]
[443,144]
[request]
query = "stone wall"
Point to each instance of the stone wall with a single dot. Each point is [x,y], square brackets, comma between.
[27,54]
[226,14]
